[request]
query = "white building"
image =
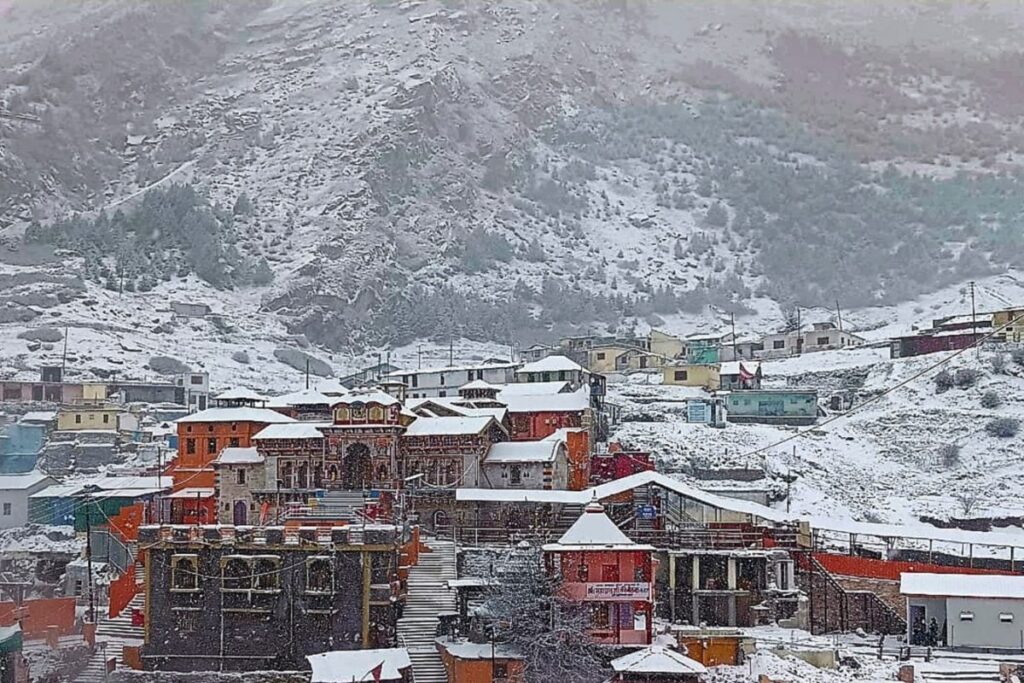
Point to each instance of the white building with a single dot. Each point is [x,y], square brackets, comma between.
[527,465]
[973,611]
[554,369]
[821,337]
[443,382]
[14,492]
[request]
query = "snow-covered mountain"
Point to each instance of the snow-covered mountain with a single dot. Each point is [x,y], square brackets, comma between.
[510,171]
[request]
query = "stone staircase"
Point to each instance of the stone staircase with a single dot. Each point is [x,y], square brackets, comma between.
[964,673]
[427,597]
[111,637]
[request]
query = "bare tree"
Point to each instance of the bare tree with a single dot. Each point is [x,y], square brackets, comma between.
[525,610]
[968,500]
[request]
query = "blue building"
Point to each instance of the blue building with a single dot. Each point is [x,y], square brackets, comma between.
[773,406]
[21,442]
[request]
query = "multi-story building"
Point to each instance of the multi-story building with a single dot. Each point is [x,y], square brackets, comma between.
[445,381]
[264,598]
[612,574]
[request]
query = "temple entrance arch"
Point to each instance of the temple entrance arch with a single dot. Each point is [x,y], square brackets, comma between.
[357,468]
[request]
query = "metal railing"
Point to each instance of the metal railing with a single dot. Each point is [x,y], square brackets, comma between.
[704,538]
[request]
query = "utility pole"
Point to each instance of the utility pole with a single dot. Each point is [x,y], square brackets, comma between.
[974,320]
[789,480]
[88,563]
[159,483]
[64,357]
[307,374]
[419,356]
[451,351]
[839,315]
[799,332]
[735,353]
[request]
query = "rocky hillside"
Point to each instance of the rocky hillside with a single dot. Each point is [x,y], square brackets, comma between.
[376,172]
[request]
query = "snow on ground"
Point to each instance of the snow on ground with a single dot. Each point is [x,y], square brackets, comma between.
[880,462]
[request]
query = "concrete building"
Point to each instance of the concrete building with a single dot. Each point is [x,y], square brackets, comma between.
[526,464]
[970,611]
[706,377]
[773,406]
[442,382]
[264,598]
[14,492]
[240,471]
[77,418]
[822,336]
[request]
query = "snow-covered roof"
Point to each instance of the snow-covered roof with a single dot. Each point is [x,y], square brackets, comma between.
[594,529]
[577,401]
[733,367]
[240,394]
[127,482]
[532,388]
[39,416]
[551,364]
[59,491]
[398,374]
[478,385]
[707,337]
[657,659]
[563,434]
[306,397]
[469,650]
[332,387]
[293,430]
[342,666]
[440,426]
[239,456]
[517,496]
[372,396]
[523,451]
[962,585]
[243,414]
[21,482]
[193,493]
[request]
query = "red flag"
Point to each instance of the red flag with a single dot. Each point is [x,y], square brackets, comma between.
[378,672]
[745,374]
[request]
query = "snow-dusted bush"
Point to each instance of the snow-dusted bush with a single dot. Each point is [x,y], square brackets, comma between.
[1018,356]
[966,377]
[943,381]
[998,363]
[949,455]
[1003,427]
[991,399]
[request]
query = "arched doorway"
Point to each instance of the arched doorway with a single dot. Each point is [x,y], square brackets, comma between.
[241,513]
[357,470]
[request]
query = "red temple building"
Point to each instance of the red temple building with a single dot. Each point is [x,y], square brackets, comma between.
[612,574]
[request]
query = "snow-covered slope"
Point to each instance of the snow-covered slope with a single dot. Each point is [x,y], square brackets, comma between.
[881,461]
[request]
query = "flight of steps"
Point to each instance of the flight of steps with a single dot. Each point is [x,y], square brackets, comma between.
[344,505]
[971,673]
[116,633]
[427,597]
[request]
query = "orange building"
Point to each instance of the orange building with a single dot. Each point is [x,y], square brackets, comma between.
[466,662]
[604,568]
[201,437]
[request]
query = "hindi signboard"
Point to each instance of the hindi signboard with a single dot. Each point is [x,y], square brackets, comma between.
[618,592]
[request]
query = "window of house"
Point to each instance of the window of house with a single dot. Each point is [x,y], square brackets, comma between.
[78,419]
[600,355]
[516,474]
[415,380]
[583,572]
[680,375]
[1006,617]
[184,573]
[233,442]
[966,616]
[319,576]
[442,393]
[209,428]
[196,379]
[236,574]
[7,510]
[441,381]
[267,573]
[190,446]
[500,671]
[822,341]
[234,426]
[106,419]
[188,428]
[240,476]
[469,376]
[211,445]
[779,344]
[599,615]
[376,414]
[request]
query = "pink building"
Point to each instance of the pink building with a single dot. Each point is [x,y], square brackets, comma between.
[613,575]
